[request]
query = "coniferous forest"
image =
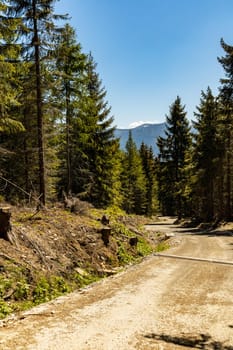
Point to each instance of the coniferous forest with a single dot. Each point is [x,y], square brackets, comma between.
[57,130]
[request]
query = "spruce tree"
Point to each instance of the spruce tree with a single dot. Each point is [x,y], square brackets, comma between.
[206,157]
[149,168]
[103,147]
[69,90]
[36,30]
[172,156]
[226,103]
[9,73]
[11,126]
[94,152]
[133,180]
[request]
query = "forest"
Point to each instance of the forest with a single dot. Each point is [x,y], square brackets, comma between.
[57,131]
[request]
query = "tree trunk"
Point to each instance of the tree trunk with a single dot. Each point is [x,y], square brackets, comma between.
[39,110]
[68,163]
[228,204]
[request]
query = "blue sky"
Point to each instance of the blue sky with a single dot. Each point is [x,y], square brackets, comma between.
[149,51]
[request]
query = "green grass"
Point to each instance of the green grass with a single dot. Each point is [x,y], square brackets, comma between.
[5,309]
[143,247]
[162,246]
[124,256]
[84,280]
[49,288]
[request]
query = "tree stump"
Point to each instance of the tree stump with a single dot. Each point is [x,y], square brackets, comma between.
[105,232]
[104,220]
[133,241]
[5,225]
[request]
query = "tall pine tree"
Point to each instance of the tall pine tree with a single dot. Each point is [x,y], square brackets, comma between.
[206,157]
[70,88]
[226,103]
[9,73]
[36,30]
[150,169]
[172,156]
[133,180]
[103,149]
[95,150]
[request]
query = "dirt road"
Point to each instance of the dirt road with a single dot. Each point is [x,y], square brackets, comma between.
[161,304]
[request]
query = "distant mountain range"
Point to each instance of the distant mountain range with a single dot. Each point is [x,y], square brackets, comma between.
[147,133]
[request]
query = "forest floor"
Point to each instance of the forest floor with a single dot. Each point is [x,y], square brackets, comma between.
[163,303]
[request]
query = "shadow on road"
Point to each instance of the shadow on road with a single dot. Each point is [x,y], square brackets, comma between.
[186,229]
[201,341]
[214,233]
[204,232]
[161,224]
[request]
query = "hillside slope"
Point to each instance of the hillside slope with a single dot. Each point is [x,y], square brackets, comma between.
[56,251]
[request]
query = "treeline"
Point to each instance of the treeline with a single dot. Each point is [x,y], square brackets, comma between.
[195,172]
[57,131]
[56,128]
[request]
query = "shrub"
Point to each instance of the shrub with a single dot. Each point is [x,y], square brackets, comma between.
[5,309]
[41,292]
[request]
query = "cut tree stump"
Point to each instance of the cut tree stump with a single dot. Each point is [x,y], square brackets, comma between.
[133,241]
[105,233]
[105,220]
[5,225]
